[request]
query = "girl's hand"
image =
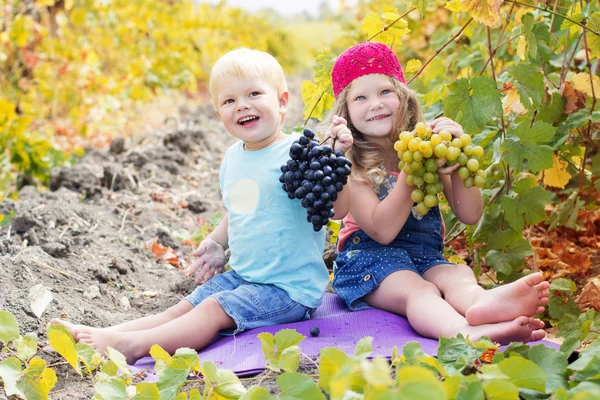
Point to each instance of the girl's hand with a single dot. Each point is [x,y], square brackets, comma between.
[339,134]
[444,123]
[210,261]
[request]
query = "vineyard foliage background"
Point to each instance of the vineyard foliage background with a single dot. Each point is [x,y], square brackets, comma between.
[520,76]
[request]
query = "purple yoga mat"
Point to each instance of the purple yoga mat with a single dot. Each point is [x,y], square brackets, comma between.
[339,328]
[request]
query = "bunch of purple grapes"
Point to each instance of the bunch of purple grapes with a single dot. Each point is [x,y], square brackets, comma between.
[315,174]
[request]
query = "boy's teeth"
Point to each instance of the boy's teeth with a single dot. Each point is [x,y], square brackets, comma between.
[246,119]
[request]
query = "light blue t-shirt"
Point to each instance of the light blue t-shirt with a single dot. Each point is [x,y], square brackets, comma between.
[270,239]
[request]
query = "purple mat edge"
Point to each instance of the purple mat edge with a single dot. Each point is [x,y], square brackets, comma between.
[332,308]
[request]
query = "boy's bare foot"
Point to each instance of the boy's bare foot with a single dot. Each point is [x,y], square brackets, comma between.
[121,341]
[522,329]
[526,296]
[73,329]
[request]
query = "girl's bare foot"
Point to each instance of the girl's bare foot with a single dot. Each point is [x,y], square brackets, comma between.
[522,329]
[526,296]
[124,342]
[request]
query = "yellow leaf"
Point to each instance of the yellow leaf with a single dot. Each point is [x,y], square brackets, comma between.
[48,3]
[485,11]
[581,81]
[454,6]
[521,47]
[119,359]
[512,103]
[7,110]
[456,259]
[63,343]
[391,16]
[413,65]
[557,176]
[69,4]
[316,100]
[158,353]
[372,24]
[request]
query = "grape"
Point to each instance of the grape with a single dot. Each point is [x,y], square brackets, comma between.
[314,174]
[417,195]
[419,154]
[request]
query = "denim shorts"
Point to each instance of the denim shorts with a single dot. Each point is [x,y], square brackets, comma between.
[250,305]
[364,263]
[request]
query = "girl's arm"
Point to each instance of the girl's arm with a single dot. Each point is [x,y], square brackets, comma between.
[383,219]
[220,233]
[466,204]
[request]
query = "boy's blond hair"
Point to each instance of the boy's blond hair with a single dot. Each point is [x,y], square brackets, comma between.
[247,63]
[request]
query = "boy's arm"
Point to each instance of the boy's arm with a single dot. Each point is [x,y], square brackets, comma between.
[220,233]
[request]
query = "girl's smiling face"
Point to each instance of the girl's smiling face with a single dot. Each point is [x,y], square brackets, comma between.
[372,106]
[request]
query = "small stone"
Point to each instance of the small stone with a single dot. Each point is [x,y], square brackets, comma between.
[195,204]
[92,292]
[124,302]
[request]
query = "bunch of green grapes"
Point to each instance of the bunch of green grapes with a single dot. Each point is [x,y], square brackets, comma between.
[419,154]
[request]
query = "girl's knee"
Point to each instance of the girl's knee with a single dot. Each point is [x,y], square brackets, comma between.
[424,287]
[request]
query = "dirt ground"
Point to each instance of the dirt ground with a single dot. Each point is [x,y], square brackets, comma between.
[87,239]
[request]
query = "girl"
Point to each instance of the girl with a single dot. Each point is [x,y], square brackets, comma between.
[391,257]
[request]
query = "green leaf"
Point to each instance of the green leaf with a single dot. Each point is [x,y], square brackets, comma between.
[26,346]
[37,380]
[377,372]
[527,206]
[364,347]
[90,358]
[524,374]
[287,338]
[553,363]
[172,374]
[257,393]
[419,383]
[146,391]
[552,109]
[110,388]
[10,370]
[567,212]
[60,339]
[109,368]
[289,359]
[9,329]
[268,345]
[209,371]
[530,83]
[298,386]
[526,146]
[500,390]
[508,251]
[561,299]
[458,352]
[119,359]
[228,384]
[195,395]
[470,388]
[578,119]
[317,101]
[331,360]
[473,103]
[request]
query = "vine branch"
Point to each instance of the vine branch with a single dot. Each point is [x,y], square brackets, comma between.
[559,15]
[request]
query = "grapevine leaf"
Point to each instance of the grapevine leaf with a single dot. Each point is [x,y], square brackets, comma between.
[9,329]
[90,357]
[119,359]
[413,65]
[331,361]
[557,176]
[552,110]
[508,251]
[553,363]
[60,340]
[567,213]
[525,145]
[257,393]
[289,359]
[473,103]
[228,385]
[195,395]
[146,391]
[298,386]
[316,100]
[376,372]
[524,374]
[498,389]
[530,83]
[419,383]
[26,346]
[364,347]
[10,370]
[110,387]
[37,380]
[527,206]
[582,82]
[286,338]
[172,374]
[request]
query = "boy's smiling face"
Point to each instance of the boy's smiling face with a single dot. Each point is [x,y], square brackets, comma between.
[251,110]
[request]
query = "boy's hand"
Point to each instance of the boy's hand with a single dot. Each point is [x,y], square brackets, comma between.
[210,261]
[339,134]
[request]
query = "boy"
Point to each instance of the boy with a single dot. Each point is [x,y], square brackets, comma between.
[277,272]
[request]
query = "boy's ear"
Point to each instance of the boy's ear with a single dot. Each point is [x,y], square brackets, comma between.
[283,99]
[219,114]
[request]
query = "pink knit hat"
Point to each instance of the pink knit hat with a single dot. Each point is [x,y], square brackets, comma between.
[364,59]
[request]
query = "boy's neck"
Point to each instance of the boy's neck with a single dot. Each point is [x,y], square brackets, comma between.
[255,146]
